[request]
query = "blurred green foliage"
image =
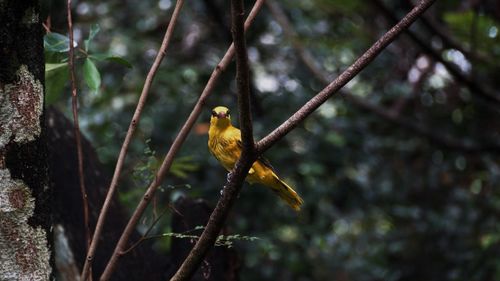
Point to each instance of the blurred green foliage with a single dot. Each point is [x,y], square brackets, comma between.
[382,201]
[486,32]
[56,72]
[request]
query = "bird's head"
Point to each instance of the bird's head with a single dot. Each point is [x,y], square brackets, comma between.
[220,117]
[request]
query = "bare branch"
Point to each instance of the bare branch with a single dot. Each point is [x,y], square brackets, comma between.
[174,148]
[345,77]
[386,114]
[242,75]
[237,176]
[216,221]
[76,125]
[131,130]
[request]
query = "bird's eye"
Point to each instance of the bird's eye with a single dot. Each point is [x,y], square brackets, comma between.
[214,113]
[227,113]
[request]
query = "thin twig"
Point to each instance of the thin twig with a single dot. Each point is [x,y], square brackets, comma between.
[47,24]
[345,77]
[145,238]
[131,130]
[174,148]
[76,125]
[170,234]
[473,40]
[437,138]
[145,235]
[235,180]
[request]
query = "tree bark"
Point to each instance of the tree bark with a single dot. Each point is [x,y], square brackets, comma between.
[25,219]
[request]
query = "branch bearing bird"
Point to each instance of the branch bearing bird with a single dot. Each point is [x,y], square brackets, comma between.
[224,142]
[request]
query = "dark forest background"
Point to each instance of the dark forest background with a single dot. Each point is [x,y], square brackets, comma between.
[400,173]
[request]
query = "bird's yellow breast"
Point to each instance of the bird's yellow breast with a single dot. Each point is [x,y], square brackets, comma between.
[223,144]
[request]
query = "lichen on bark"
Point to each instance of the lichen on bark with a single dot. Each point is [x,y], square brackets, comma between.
[25,215]
[30,16]
[21,105]
[25,254]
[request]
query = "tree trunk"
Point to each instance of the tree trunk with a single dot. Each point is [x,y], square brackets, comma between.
[25,219]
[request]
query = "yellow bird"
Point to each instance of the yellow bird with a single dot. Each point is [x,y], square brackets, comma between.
[224,142]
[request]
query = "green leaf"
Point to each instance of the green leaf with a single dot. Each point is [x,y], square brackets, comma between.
[110,57]
[182,166]
[94,29]
[56,77]
[91,75]
[120,60]
[99,56]
[54,66]
[55,42]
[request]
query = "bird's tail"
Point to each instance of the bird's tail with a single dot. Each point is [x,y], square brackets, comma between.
[286,193]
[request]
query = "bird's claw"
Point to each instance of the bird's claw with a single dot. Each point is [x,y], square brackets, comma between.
[229,176]
[222,190]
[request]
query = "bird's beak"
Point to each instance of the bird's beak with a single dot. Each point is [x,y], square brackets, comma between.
[221,115]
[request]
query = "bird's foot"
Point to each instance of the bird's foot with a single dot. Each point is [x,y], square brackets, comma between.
[229,176]
[222,190]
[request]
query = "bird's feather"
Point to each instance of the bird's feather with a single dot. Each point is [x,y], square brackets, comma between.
[224,142]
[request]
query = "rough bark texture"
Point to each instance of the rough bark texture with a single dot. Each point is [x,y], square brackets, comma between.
[25,220]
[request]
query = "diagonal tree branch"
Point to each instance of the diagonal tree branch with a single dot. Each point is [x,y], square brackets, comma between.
[176,145]
[128,138]
[237,176]
[234,182]
[345,77]
[437,138]
[76,125]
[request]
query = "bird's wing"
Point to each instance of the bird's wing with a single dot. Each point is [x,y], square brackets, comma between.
[266,162]
[261,158]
